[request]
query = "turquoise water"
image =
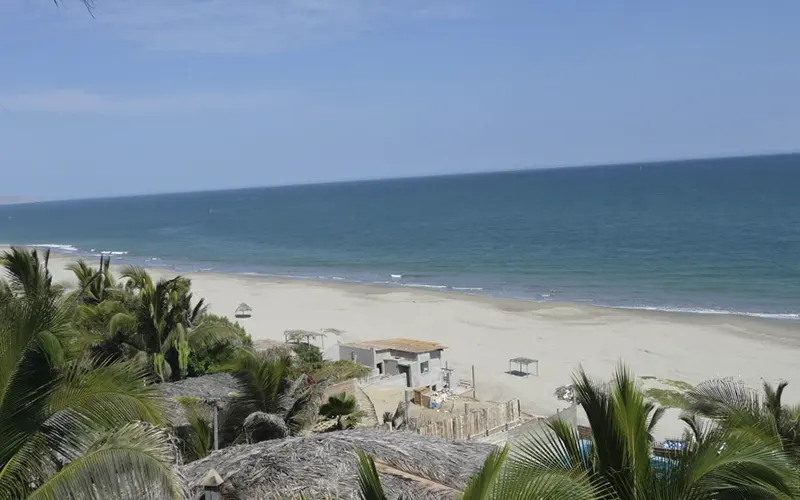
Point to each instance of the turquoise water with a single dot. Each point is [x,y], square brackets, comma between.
[718,235]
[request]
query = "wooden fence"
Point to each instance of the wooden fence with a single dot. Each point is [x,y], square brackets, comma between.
[479,423]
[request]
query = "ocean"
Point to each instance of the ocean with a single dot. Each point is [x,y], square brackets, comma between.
[706,236]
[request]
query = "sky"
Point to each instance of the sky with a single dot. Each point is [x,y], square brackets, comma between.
[148,96]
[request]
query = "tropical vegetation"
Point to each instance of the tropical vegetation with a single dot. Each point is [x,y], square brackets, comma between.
[737,459]
[72,424]
[342,408]
[271,404]
[740,409]
[81,415]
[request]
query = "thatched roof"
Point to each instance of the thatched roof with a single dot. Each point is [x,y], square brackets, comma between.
[208,390]
[302,335]
[399,344]
[274,347]
[325,465]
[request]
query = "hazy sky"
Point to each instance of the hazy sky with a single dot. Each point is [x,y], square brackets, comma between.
[176,95]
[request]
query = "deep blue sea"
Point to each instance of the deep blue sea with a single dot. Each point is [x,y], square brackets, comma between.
[720,235]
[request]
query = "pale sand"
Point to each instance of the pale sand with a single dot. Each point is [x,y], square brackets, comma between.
[486,332]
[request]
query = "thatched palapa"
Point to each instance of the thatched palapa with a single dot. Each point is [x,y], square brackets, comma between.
[208,390]
[325,465]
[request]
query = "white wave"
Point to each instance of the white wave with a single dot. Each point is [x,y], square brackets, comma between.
[419,285]
[467,288]
[115,253]
[701,310]
[55,246]
[396,276]
[338,278]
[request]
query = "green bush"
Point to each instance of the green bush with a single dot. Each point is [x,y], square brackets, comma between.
[307,354]
[217,358]
[337,371]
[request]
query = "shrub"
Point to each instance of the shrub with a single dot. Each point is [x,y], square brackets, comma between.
[217,358]
[307,354]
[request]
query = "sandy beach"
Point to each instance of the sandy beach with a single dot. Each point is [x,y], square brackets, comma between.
[486,332]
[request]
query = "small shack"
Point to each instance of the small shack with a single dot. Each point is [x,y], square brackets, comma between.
[298,336]
[521,367]
[418,362]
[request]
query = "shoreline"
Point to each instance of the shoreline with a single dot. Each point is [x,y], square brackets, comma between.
[485,332]
[393,283]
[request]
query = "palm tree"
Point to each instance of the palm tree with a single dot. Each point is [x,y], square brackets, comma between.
[343,408]
[618,460]
[197,438]
[164,327]
[27,275]
[94,285]
[271,405]
[736,406]
[617,463]
[70,427]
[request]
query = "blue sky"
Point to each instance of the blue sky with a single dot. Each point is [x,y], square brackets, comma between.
[178,95]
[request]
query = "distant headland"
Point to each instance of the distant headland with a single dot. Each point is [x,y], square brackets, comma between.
[13,200]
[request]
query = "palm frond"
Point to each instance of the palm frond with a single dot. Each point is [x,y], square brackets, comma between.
[137,278]
[726,461]
[131,462]
[107,393]
[26,274]
[368,479]
[199,438]
[339,405]
[206,335]
[260,378]
[772,399]
[720,397]
[654,414]
[303,413]
[482,485]
[548,485]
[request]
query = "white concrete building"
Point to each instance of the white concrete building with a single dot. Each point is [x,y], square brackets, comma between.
[420,361]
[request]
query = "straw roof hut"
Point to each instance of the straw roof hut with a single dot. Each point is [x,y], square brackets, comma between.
[208,390]
[325,465]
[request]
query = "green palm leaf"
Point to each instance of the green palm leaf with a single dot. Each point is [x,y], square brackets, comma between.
[368,479]
[482,485]
[70,427]
[131,462]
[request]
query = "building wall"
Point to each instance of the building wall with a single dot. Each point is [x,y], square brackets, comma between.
[433,362]
[390,367]
[432,377]
[364,356]
[332,353]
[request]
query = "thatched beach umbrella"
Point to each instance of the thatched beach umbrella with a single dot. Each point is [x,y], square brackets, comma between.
[325,465]
[209,390]
[243,311]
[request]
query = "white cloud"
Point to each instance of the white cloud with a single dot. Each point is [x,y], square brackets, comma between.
[252,25]
[75,101]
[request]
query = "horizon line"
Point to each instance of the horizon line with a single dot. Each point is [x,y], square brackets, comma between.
[30,201]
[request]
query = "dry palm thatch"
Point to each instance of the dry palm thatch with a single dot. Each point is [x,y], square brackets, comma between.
[207,391]
[274,348]
[326,465]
